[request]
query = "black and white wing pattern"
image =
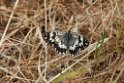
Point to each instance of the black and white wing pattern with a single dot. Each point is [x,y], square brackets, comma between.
[65,41]
[77,42]
[55,39]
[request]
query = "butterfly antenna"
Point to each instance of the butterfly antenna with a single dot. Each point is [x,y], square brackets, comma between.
[70,23]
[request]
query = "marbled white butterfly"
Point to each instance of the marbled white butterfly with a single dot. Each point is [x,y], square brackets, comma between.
[64,42]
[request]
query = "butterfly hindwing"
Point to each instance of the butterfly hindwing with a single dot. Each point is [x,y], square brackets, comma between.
[83,42]
[73,44]
[77,42]
[60,46]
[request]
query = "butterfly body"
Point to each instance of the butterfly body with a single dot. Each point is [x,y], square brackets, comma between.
[64,42]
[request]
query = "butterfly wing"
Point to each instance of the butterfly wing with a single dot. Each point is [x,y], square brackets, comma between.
[76,43]
[55,39]
[48,36]
[83,42]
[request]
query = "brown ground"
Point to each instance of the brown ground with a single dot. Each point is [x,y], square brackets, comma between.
[25,57]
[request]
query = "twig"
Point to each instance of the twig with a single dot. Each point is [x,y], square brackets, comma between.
[7,26]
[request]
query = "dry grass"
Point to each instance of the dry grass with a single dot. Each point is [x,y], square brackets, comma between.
[26,58]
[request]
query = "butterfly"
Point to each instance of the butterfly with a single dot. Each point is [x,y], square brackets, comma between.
[64,42]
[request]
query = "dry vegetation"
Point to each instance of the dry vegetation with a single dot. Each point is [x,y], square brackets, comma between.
[26,58]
